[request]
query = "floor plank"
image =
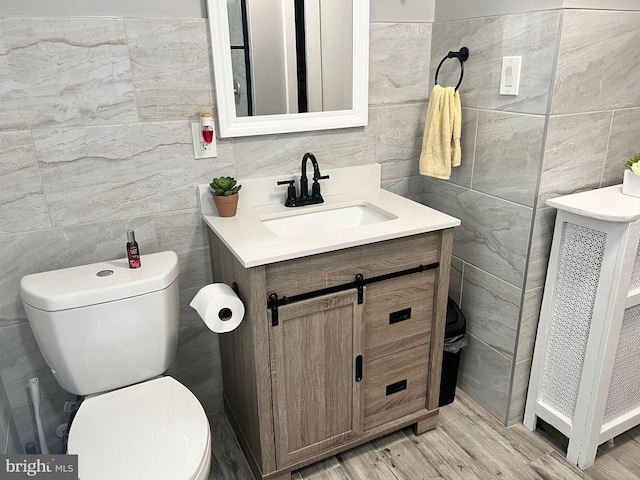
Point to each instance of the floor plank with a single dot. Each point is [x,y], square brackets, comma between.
[319,467]
[451,412]
[554,467]
[469,444]
[407,462]
[337,473]
[388,440]
[490,449]
[531,445]
[447,456]
[364,463]
[227,460]
[625,449]
[607,468]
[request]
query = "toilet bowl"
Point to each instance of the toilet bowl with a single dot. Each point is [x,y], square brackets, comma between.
[153,430]
[109,333]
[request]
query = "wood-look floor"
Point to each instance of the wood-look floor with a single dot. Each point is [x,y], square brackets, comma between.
[468,444]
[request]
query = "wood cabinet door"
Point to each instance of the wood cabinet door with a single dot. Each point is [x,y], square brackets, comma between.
[317,400]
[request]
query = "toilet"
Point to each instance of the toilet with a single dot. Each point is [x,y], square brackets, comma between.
[109,332]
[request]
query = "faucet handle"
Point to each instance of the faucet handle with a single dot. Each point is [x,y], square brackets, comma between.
[291,192]
[315,188]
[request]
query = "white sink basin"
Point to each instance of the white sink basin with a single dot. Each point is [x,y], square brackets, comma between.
[310,220]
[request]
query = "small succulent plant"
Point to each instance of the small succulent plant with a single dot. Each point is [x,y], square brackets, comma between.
[633,164]
[224,186]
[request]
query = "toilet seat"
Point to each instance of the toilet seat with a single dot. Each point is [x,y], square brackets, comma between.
[155,429]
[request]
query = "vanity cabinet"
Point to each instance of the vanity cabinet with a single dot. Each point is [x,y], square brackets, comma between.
[335,349]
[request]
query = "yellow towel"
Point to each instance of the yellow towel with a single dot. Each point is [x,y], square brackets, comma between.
[441,140]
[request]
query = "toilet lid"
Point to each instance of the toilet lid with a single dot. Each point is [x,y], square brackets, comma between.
[155,429]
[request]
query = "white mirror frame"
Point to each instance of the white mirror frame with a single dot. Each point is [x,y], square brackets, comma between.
[230,125]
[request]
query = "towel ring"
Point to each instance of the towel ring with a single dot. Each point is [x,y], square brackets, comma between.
[462,55]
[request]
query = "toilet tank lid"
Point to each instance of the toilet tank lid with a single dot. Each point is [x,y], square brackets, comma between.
[99,282]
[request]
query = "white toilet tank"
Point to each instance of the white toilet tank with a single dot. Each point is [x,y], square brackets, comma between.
[105,326]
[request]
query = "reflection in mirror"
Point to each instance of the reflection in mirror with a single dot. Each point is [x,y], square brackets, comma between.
[289,65]
[291,56]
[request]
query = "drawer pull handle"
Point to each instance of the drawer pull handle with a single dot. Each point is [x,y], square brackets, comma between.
[396,387]
[400,316]
[359,368]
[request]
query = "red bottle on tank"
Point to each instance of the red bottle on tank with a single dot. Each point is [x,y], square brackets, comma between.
[133,253]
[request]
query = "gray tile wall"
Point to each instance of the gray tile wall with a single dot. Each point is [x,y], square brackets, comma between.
[564,133]
[494,191]
[95,140]
[593,130]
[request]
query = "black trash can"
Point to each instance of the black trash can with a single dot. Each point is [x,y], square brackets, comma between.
[454,340]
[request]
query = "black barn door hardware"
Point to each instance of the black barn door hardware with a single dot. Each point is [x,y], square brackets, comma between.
[359,283]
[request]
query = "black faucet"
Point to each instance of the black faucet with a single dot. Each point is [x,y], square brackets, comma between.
[304,198]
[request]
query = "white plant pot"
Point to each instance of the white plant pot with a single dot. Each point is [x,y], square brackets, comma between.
[631,184]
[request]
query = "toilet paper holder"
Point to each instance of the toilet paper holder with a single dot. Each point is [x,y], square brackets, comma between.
[219,306]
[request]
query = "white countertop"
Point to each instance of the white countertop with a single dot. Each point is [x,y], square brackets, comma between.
[608,204]
[253,244]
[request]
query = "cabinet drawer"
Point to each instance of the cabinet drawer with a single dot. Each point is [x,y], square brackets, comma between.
[395,385]
[399,314]
[307,274]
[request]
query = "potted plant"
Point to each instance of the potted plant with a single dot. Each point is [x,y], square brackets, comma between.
[631,181]
[225,195]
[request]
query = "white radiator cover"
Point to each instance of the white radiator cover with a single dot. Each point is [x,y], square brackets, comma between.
[624,390]
[577,275]
[585,376]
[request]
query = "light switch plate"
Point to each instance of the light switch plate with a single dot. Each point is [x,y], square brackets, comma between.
[510,75]
[198,150]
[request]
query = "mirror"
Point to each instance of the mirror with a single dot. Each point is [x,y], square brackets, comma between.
[319,82]
[291,56]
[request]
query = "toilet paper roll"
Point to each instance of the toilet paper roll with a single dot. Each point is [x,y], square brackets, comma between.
[219,307]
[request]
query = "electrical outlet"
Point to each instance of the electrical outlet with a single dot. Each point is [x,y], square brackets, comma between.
[202,149]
